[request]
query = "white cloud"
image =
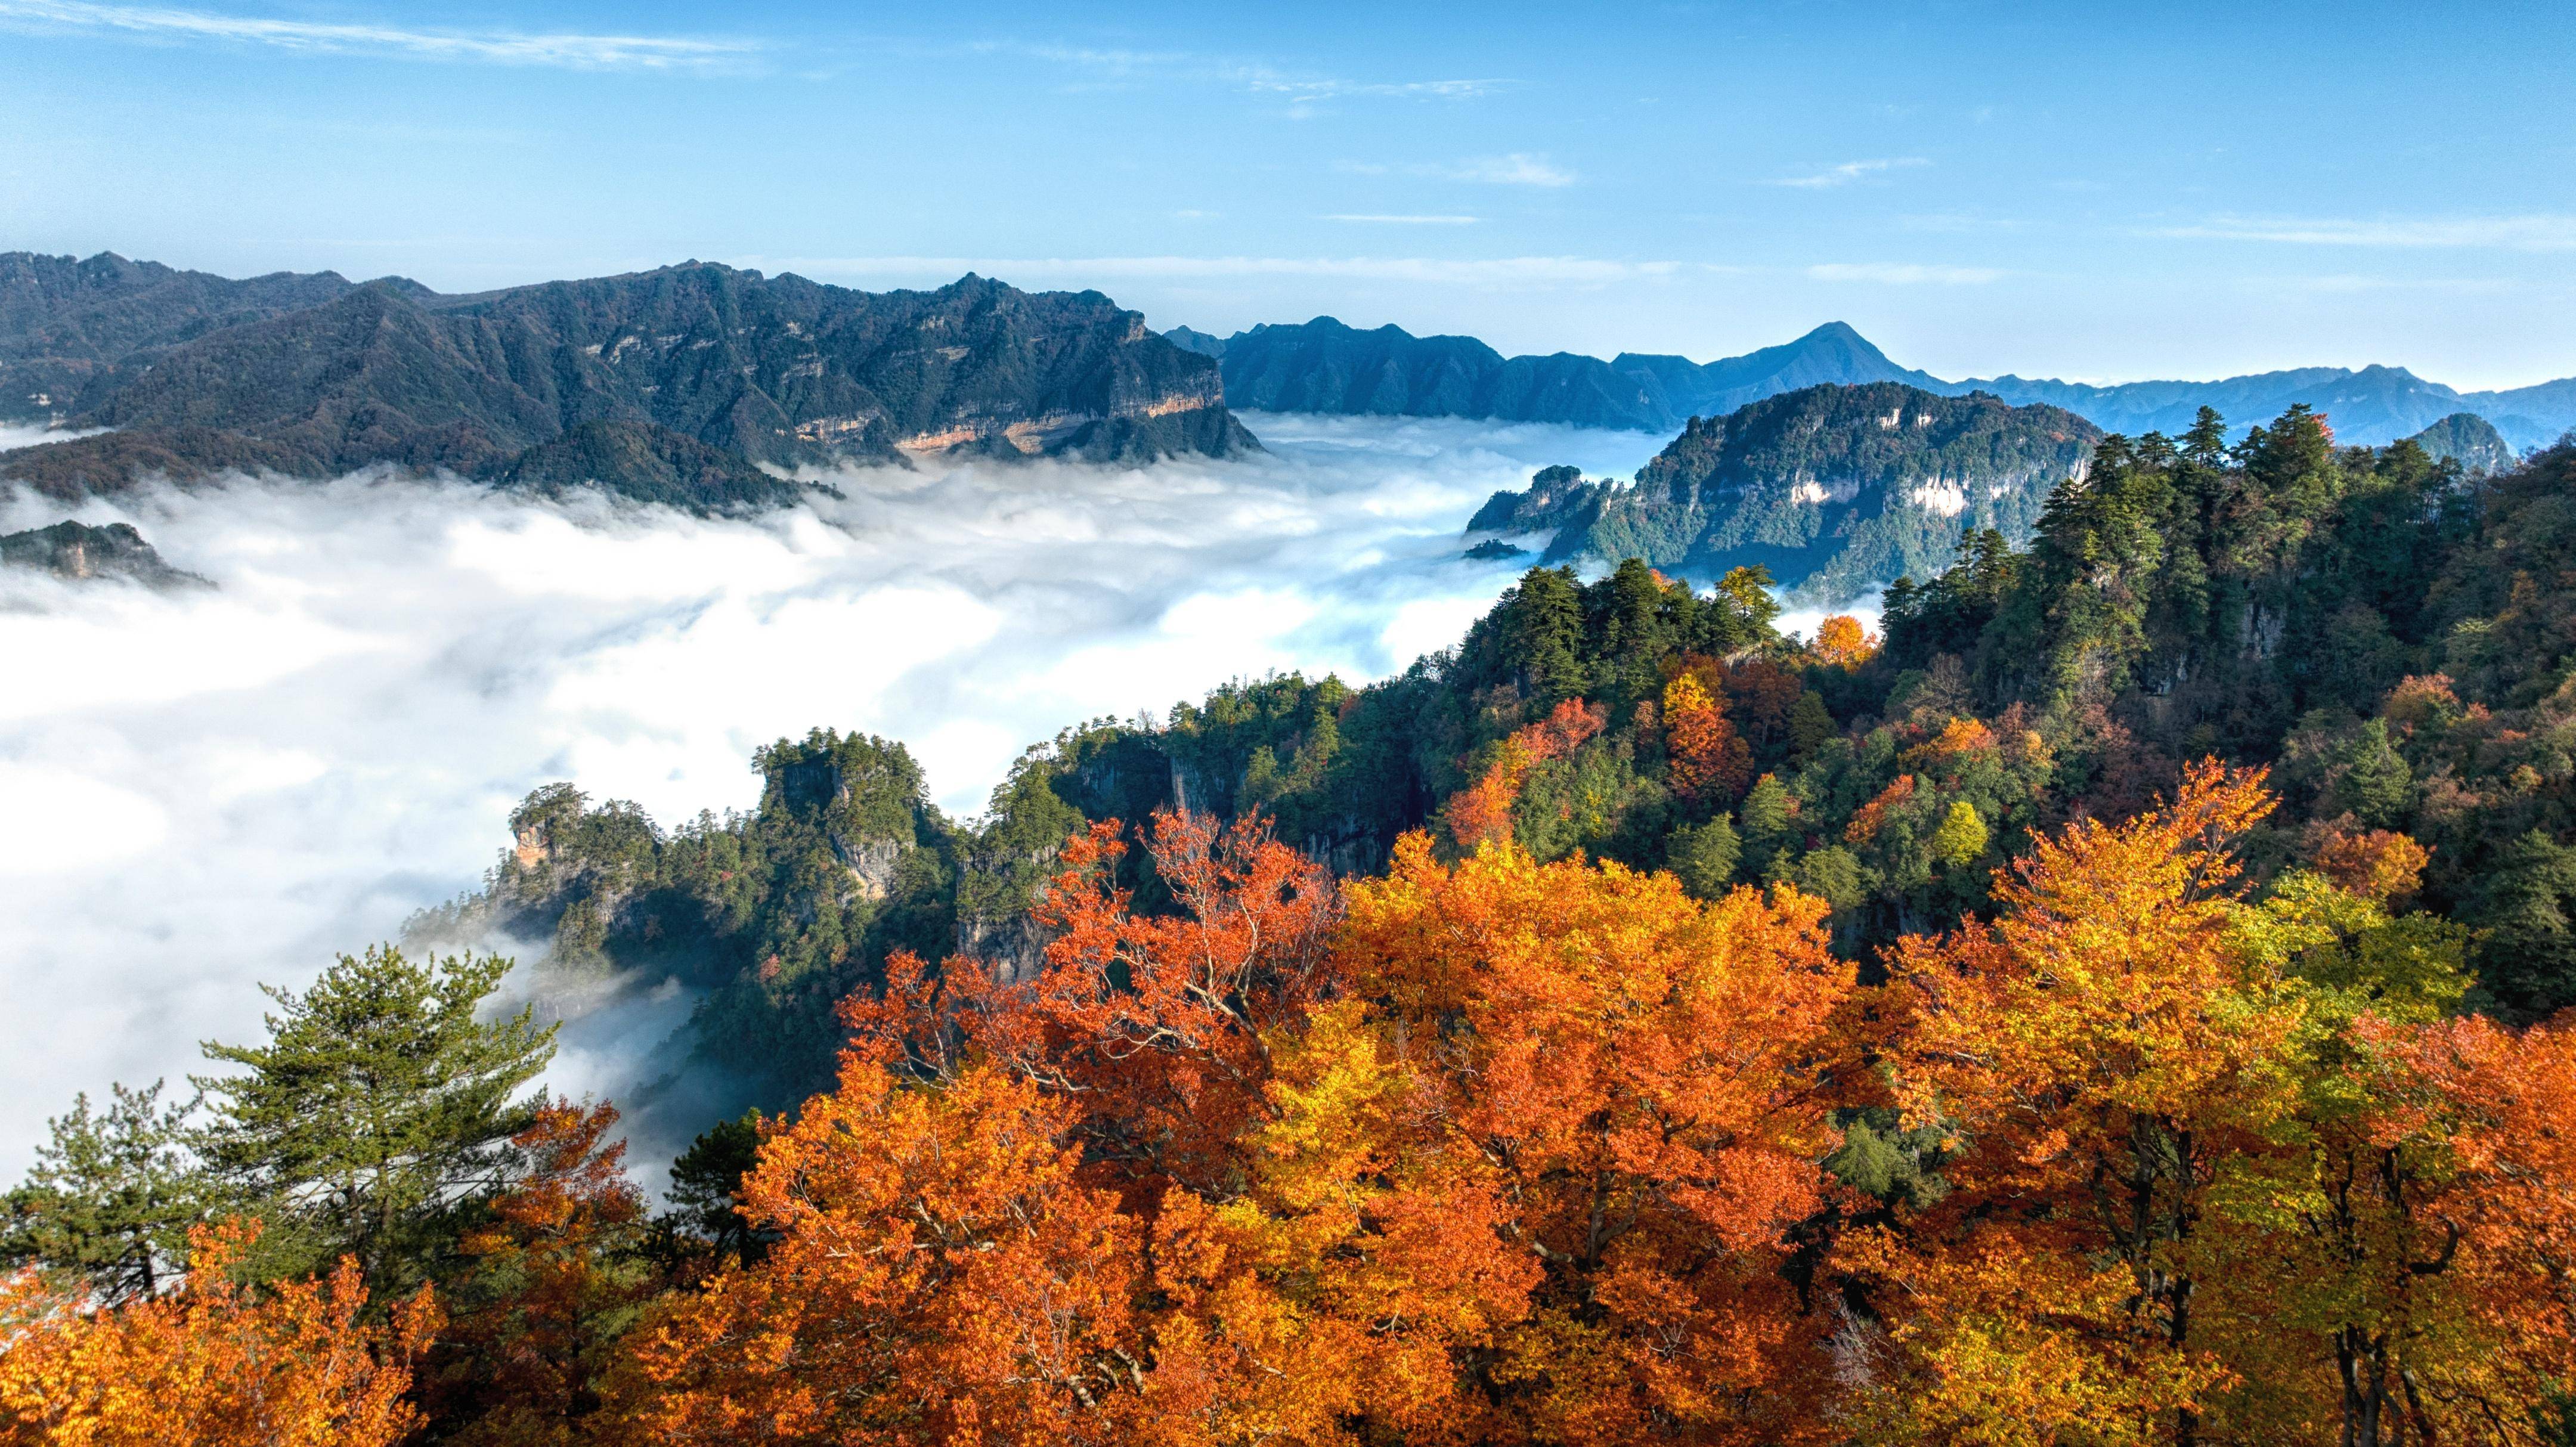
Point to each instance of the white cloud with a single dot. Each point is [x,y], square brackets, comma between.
[1407,220]
[1305,90]
[203,790]
[579,52]
[1502,273]
[1849,171]
[1520,168]
[1301,90]
[1904,274]
[2504,233]
[1517,169]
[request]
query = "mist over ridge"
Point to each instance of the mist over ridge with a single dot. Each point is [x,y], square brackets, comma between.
[241,781]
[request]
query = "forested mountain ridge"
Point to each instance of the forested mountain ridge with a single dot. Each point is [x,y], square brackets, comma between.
[703,376]
[1830,488]
[2470,440]
[1324,366]
[70,330]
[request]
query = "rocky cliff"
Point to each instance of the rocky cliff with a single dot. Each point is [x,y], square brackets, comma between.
[79,552]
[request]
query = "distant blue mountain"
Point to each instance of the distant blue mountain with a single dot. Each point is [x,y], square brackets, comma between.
[1325,366]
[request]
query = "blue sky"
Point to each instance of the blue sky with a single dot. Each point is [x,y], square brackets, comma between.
[2088,191]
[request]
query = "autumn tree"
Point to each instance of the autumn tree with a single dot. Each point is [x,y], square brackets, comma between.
[1710,762]
[1842,643]
[2489,1225]
[1482,812]
[1628,1088]
[2099,1054]
[939,1275]
[556,1270]
[1161,1025]
[213,1364]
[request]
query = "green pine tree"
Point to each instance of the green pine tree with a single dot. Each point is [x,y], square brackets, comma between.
[379,1110]
[1704,857]
[2377,785]
[111,1196]
[706,1190]
[1545,633]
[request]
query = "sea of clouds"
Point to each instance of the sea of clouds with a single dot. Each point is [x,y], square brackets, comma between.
[204,790]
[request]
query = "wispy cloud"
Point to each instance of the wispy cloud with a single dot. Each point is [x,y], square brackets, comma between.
[1309,90]
[1520,168]
[1848,172]
[1303,91]
[1408,220]
[580,52]
[1499,273]
[1888,273]
[2503,233]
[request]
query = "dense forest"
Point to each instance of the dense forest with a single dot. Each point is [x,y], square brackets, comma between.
[2116,1007]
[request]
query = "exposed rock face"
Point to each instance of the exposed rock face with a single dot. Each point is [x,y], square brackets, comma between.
[79,551]
[677,385]
[1012,946]
[2470,440]
[1834,488]
[871,862]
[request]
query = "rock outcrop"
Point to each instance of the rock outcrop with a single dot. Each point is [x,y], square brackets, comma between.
[80,552]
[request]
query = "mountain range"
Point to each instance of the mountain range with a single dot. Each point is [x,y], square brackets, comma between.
[698,384]
[1325,366]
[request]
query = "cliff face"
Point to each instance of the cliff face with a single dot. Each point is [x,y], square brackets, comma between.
[79,552]
[1831,488]
[679,385]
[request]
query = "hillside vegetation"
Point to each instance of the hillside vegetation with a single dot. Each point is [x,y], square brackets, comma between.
[2115,1007]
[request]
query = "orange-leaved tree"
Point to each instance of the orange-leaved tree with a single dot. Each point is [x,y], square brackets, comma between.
[961,1228]
[1843,643]
[556,1273]
[214,1364]
[939,1275]
[2495,1218]
[1625,1091]
[2098,1056]
[1711,763]
[1482,812]
[1159,1026]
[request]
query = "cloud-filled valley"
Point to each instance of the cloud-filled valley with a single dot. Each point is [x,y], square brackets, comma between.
[214,788]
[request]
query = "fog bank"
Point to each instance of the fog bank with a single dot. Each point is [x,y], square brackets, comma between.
[206,790]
